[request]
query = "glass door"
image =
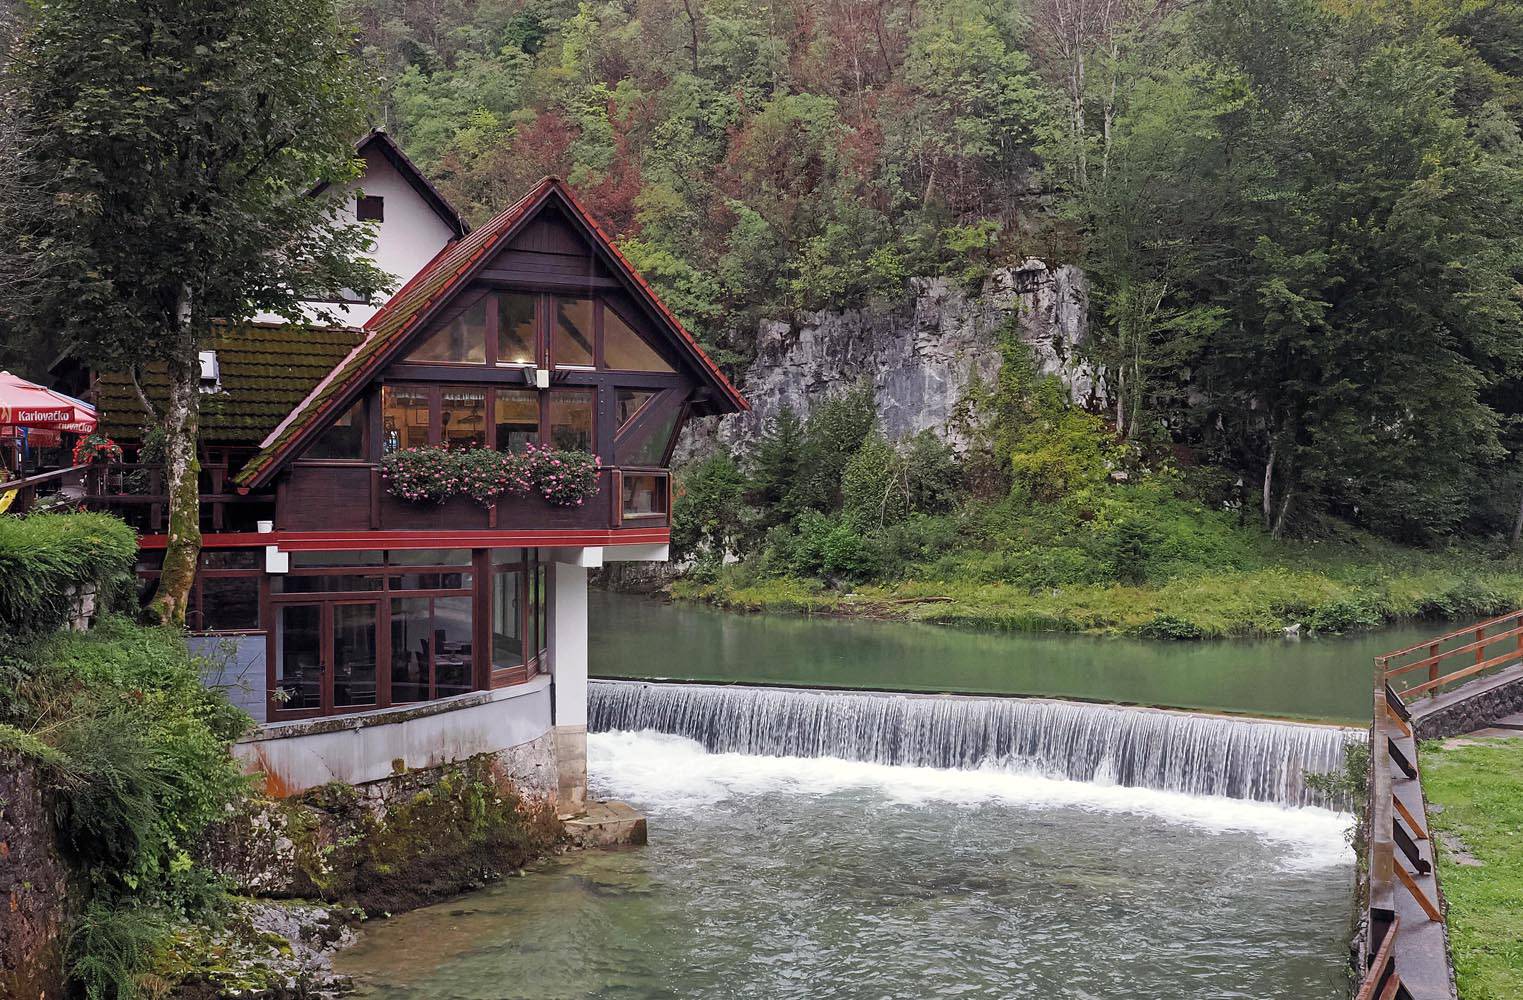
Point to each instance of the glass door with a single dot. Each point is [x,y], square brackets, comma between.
[298,658]
[354,654]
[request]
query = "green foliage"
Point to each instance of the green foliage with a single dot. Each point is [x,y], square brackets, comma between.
[874,486]
[45,557]
[776,468]
[821,546]
[832,435]
[110,947]
[709,513]
[136,753]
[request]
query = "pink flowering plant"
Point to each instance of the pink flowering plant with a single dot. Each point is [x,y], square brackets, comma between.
[564,478]
[422,475]
[434,474]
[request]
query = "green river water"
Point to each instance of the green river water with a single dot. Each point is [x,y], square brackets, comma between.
[1323,679]
[800,878]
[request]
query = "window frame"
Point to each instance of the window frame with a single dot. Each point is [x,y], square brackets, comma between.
[367,203]
[529,569]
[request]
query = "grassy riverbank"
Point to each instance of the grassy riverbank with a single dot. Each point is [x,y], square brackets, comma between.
[1479,786]
[1321,587]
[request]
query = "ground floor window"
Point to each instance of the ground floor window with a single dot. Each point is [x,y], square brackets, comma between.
[370,629]
[225,596]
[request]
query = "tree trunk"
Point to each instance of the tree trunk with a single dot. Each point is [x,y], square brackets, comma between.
[1517,525]
[182,471]
[1268,486]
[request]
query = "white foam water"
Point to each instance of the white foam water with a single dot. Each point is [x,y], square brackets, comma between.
[1005,740]
[678,774]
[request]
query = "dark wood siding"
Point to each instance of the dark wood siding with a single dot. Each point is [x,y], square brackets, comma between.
[326,498]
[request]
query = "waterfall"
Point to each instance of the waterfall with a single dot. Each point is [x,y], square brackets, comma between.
[1192,753]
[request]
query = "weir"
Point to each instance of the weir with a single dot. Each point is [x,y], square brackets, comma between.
[1184,752]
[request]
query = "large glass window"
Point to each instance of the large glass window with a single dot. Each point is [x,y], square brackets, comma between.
[644,496]
[517,418]
[515,329]
[463,340]
[431,648]
[626,350]
[507,617]
[571,334]
[572,412]
[227,604]
[411,650]
[344,438]
[404,417]
[463,417]
[630,402]
[651,448]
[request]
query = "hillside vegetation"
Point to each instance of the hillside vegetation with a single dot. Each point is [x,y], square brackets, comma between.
[1301,221]
[1048,523]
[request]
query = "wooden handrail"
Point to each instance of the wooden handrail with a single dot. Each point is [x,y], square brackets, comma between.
[1475,668]
[16,484]
[1456,651]
[1382,971]
[1451,635]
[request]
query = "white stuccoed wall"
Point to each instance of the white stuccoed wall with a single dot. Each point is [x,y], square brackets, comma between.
[568,658]
[408,238]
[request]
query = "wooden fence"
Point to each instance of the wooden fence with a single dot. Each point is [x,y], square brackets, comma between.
[1400,855]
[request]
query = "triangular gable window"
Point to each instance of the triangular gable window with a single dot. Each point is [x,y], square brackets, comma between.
[461,341]
[625,350]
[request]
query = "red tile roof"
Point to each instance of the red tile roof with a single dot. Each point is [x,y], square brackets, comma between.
[423,296]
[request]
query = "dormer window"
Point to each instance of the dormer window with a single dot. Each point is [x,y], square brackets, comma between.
[370,208]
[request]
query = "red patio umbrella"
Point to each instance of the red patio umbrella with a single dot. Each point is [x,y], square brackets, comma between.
[27,404]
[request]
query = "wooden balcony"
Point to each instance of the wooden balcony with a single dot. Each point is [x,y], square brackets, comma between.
[332,497]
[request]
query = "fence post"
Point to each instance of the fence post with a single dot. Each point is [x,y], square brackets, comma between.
[1433,669]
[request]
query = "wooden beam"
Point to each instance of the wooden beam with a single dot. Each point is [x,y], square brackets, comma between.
[1428,906]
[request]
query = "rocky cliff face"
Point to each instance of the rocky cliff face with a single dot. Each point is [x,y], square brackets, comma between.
[920,356]
[35,897]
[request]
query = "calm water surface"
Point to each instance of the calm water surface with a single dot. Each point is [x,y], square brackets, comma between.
[772,877]
[1323,678]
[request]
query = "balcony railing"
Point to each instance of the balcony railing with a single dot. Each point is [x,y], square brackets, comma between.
[137,492]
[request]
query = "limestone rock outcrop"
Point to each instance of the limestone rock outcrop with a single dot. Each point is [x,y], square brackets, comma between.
[920,355]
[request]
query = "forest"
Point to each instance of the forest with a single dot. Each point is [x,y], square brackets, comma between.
[1300,220]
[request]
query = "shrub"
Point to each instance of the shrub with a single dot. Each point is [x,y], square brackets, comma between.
[422,475]
[110,947]
[873,488]
[46,557]
[709,513]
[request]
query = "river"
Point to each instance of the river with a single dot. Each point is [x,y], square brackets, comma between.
[776,878]
[1323,678]
[786,871]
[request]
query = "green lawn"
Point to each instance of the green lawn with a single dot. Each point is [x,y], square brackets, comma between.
[1480,787]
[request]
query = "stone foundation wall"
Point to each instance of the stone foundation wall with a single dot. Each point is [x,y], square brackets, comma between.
[35,897]
[399,842]
[1469,707]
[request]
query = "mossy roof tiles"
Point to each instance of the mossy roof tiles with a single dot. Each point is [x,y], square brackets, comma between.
[266,371]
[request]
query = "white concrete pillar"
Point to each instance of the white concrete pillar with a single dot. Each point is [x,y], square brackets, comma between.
[568,661]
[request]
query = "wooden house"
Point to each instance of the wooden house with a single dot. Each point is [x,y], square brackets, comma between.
[368,632]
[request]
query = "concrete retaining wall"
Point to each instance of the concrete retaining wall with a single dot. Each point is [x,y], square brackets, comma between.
[513,723]
[1471,706]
